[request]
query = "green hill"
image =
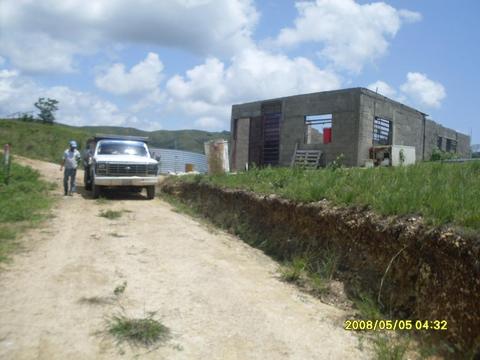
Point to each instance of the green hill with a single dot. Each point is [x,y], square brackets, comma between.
[47,142]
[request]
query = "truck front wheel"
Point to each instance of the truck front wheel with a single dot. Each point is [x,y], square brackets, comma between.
[151,192]
[87,181]
[96,190]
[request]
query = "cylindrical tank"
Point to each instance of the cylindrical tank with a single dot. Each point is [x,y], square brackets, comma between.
[217,156]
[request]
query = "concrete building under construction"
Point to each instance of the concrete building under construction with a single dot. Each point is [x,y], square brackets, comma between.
[350,122]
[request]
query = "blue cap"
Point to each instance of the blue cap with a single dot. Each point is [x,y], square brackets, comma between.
[73,144]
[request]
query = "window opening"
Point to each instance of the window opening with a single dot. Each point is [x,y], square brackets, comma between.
[440,142]
[382,131]
[318,129]
[451,145]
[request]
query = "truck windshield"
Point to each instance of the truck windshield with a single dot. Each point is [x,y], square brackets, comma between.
[114,148]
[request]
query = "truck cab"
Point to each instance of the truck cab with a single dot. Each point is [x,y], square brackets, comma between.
[120,162]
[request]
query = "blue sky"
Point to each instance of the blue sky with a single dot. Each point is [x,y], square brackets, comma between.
[183,63]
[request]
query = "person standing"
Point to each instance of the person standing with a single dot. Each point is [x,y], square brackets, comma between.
[71,158]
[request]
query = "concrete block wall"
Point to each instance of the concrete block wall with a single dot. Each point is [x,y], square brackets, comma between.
[239,146]
[464,143]
[434,130]
[342,104]
[407,123]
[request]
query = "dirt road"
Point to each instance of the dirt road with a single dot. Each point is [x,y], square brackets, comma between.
[220,298]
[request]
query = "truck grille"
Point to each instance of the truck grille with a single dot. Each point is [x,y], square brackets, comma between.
[114,169]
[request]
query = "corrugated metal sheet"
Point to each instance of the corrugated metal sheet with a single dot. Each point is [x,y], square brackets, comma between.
[174,161]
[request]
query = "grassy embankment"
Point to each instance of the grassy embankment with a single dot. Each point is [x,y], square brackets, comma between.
[23,202]
[40,141]
[441,193]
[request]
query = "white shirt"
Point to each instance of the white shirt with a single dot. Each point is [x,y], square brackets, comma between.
[71,158]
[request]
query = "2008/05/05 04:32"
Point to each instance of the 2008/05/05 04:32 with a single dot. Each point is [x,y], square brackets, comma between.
[374,325]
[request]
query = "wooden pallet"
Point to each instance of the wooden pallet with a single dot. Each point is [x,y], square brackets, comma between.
[309,159]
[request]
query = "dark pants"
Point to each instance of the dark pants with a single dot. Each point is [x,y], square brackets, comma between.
[69,173]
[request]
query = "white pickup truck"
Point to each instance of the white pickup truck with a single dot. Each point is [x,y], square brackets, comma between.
[120,162]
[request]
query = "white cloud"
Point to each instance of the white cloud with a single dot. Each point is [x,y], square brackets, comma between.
[350,34]
[204,82]
[253,74]
[143,77]
[410,16]
[44,36]
[209,123]
[383,88]
[208,90]
[39,53]
[19,93]
[417,90]
[421,89]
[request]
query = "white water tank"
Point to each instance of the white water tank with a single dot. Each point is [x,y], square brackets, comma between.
[408,155]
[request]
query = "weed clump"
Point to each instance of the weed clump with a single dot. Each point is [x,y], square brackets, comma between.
[111,214]
[311,272]
[120,289]
[293,271]
[141,331]
[386,348]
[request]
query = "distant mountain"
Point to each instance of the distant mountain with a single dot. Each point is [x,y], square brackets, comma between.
[189,140]
[47,142]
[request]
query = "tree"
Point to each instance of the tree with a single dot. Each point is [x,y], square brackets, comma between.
[26,117]
[47,108]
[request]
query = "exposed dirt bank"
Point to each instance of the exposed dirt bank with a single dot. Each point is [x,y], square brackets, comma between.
[433,274]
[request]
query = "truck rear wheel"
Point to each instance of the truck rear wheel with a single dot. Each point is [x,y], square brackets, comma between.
[151,192]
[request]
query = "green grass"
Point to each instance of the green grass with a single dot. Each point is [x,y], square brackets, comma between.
[40,141]
[101,201]
[368,308]
[442,193]
[143,331]
[312,273]
[111,214]
[22,203]
[47,142]
[293,271]
[387,348]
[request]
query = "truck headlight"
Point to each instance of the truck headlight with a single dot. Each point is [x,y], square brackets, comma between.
[101,168]
[152,169]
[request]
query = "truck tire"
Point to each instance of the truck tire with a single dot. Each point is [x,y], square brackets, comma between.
[96,190]
[150,192]
[87,181]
